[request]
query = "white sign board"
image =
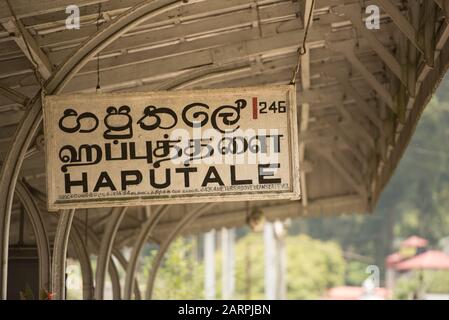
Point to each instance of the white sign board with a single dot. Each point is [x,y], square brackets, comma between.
[117,149]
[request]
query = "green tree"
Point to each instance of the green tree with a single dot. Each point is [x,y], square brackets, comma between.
[356,273]
[430,281]
[180,276]
[312,267]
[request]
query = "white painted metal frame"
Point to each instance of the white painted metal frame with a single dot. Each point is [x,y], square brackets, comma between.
[185,221]
[40,233]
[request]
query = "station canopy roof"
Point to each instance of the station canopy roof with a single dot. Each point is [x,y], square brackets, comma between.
[360,92]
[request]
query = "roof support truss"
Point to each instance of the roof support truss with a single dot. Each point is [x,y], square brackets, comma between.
[308,7]
[14,95]
[348,177]
[401,22]
[350,91]
[29,47]
[444,5]
[347,49]
[353,12]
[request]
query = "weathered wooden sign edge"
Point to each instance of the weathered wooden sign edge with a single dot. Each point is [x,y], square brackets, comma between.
[293,194]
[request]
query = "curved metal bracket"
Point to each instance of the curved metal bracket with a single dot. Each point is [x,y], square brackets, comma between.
[186,220]
[107,243]
[86,267]
[60,253]
[142,238]
[112,268]
[37,223]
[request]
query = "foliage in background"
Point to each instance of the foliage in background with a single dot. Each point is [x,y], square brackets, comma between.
[312,267]
[437,281]
[181,276]
[355,273]
[429,281]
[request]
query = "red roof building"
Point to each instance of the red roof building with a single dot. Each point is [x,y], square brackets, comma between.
[392,259]
[409,248]
[428,260]
[414,242]
[353,293]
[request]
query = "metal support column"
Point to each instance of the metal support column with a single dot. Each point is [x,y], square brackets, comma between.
[209,265]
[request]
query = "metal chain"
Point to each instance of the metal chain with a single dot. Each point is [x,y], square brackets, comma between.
[302,50]
[98,54]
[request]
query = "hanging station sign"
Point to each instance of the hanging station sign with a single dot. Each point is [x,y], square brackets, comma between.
[118,149]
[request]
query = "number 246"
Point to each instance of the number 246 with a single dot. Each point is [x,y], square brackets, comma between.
[275,107]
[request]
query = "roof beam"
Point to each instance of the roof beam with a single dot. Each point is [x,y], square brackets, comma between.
[194,18]
[29,47]
[361,130]
[430,16]
[401,22]
[412,63]
[309,6]
[13,95]
[444,5]
[349,141]
[346,47]
[349,178]
[226,54]
[137,45]
[160,67]
[28,8]
[353,12]
[350,91]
